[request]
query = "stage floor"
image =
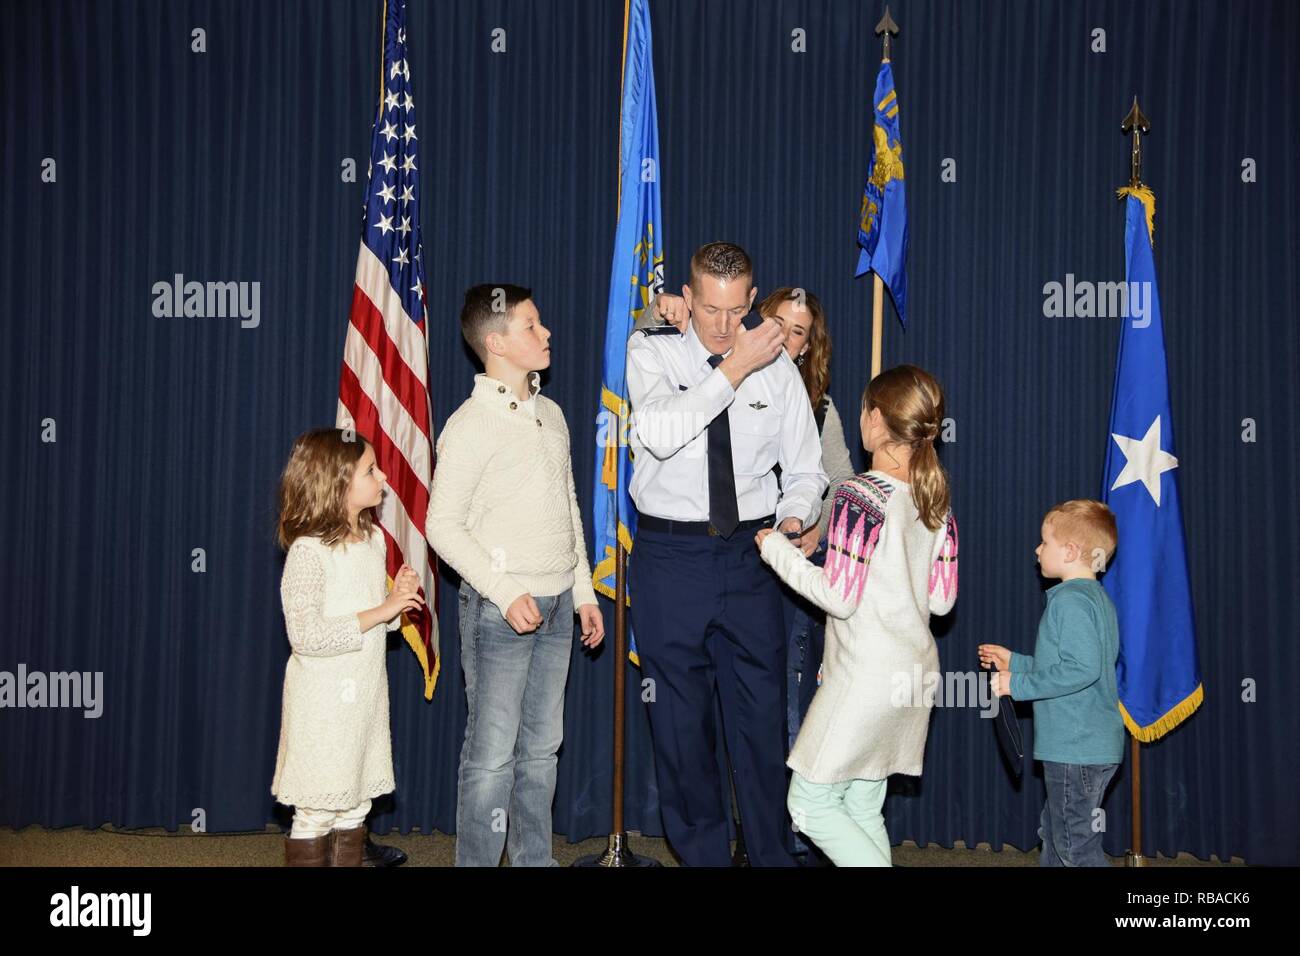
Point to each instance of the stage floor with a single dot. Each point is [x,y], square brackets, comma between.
[73,846]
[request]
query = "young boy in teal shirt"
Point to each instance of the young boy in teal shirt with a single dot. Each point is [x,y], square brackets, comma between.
[1078,730]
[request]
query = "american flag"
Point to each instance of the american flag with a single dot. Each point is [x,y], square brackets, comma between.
[383,388]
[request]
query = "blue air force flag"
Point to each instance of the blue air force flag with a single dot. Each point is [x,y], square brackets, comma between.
[1158,675]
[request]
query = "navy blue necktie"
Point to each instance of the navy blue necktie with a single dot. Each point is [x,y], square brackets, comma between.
[723,513]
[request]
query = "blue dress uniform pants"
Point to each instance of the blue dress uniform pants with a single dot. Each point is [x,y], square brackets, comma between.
[805,625]
[708,618]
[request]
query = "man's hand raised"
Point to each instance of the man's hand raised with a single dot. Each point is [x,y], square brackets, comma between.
[753,350]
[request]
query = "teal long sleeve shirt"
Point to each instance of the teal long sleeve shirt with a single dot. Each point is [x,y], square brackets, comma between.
[1071,677]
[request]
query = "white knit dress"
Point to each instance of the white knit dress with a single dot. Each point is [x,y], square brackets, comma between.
[335,748]
[885,573]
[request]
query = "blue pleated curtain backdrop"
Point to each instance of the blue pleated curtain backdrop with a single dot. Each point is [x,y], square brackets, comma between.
[225,165]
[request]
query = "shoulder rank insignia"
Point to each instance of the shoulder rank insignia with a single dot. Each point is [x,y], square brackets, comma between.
[661,330]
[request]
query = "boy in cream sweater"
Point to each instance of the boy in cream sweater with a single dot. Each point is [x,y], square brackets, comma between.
[503,513]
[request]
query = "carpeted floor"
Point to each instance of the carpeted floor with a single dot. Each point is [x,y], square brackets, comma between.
[73,846]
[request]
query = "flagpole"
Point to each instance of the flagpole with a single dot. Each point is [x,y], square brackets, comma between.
[884,29]
[1135,124]
[618,853]
[877,321]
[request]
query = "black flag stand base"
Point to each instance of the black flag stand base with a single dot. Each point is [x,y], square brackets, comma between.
[617,854]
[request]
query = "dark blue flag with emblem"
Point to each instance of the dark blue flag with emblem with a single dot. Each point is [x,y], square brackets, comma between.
[882,221]
[1158,675]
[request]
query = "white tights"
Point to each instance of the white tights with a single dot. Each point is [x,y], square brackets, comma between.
[309,823]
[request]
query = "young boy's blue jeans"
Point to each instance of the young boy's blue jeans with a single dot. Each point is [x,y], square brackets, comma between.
[1069,828]
[514,684]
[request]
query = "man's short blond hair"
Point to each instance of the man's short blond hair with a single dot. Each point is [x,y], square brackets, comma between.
[1087,523]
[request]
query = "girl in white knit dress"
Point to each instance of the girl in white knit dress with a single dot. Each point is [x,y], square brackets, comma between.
[891,563]
[335,752]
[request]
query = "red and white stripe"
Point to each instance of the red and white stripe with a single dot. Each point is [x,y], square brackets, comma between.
[384,395]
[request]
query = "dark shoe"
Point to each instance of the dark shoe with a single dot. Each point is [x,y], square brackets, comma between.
[740,856]
[346,846]
[380,854]
[813,858]
[313,852]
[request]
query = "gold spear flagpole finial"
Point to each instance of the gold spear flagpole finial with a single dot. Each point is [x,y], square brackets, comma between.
[889,28]
[1136,124]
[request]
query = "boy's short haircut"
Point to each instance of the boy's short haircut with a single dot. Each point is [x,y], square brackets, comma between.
[486,310]
[1087,523]
[722,260]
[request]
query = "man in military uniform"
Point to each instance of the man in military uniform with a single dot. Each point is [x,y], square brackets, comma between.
[714,408]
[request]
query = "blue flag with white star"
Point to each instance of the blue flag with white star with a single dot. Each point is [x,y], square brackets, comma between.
[1158,675]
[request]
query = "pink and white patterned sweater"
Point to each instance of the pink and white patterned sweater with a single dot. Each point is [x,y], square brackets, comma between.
[885,574]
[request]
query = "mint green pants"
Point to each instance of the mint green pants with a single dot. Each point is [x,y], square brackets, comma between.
[843,819]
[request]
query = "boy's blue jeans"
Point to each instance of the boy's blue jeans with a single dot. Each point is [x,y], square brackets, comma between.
[1069,828]
[514,684]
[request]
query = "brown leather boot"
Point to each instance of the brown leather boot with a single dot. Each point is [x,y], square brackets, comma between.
[346,846]
[313,852]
